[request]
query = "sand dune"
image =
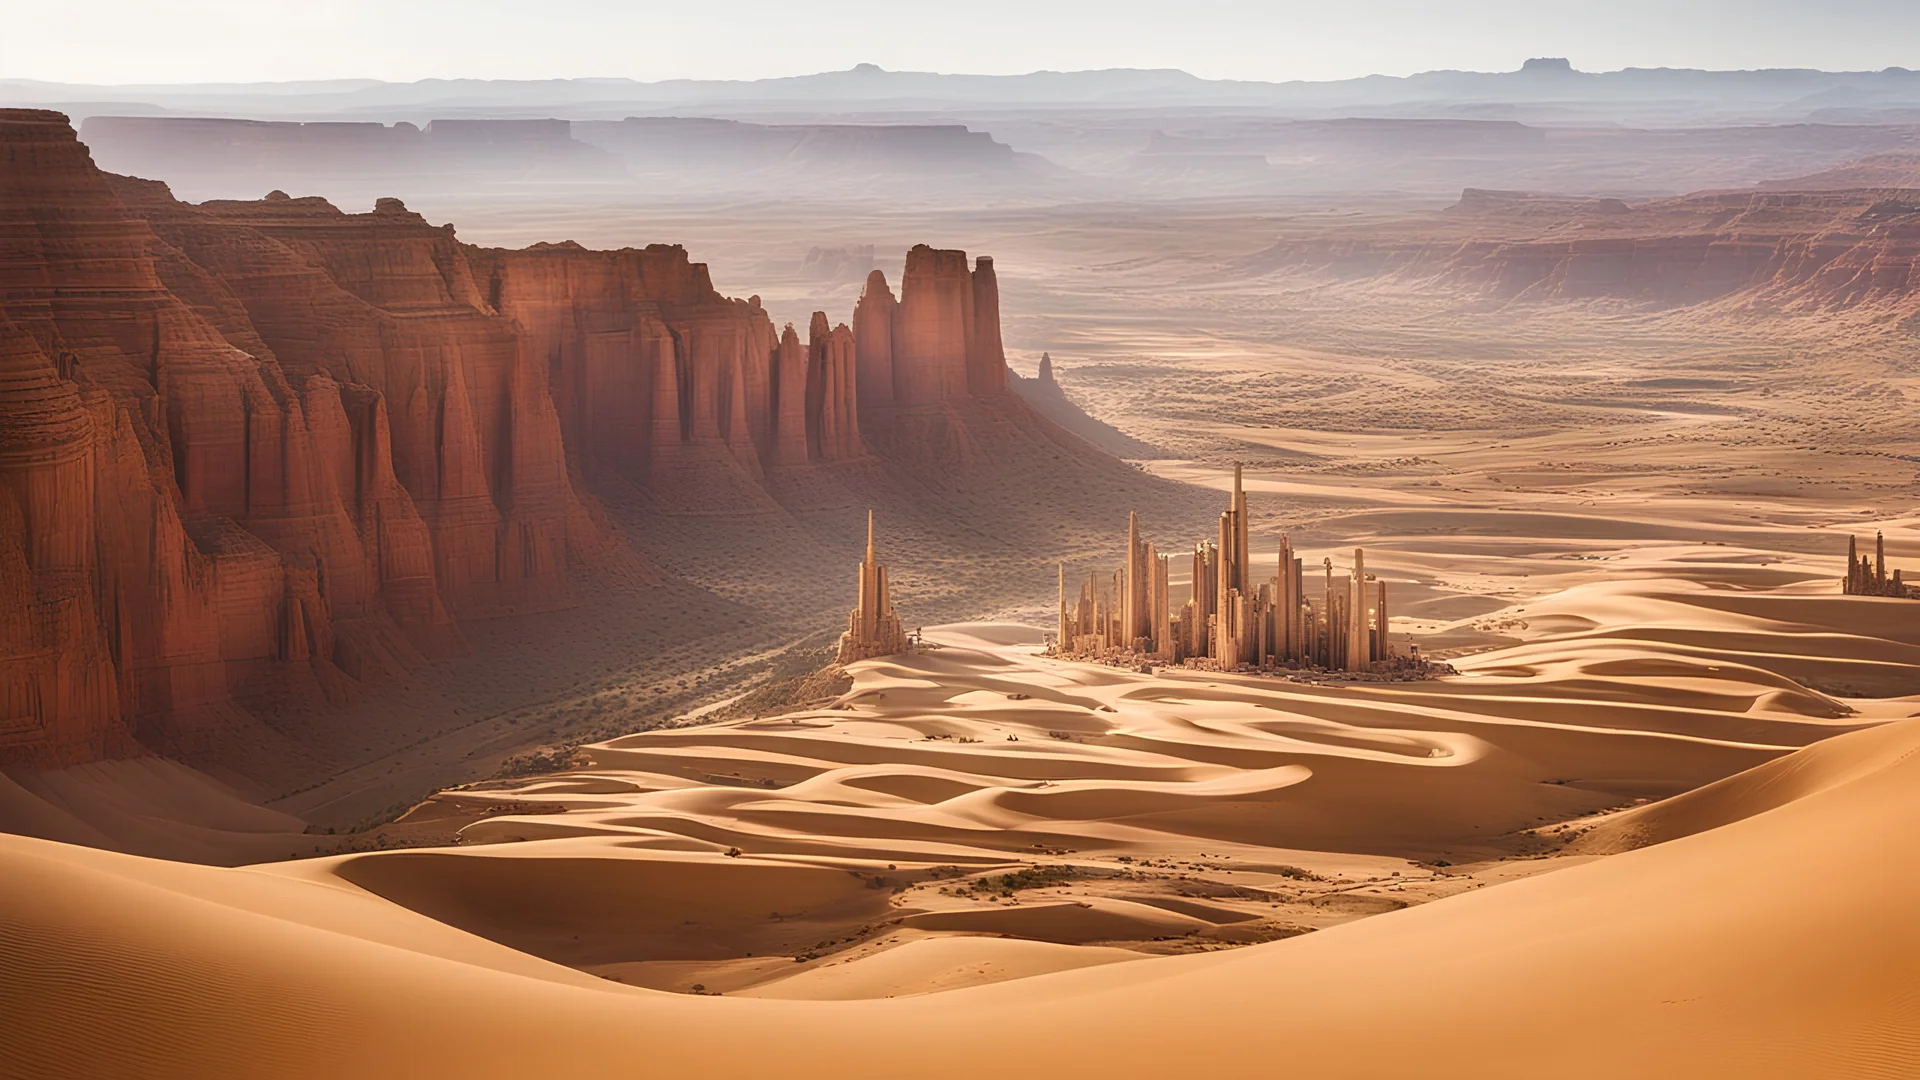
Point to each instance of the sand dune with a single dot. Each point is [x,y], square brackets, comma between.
[231,973]
[978,850]
[146,806]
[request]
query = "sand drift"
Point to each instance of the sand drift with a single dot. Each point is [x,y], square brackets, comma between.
[1100,844]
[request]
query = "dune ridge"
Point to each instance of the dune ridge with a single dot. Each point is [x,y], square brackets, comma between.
[1658,940]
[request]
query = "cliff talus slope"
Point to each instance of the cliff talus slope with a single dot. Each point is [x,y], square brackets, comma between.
[258,459]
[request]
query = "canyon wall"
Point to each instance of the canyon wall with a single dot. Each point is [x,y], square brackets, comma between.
[654,373]
[214,157]
[183,510]
[1794,252]
[258,449]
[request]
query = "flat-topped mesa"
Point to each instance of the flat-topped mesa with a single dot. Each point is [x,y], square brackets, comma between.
[652,371]
[638,349]
[933,329]
[943,341]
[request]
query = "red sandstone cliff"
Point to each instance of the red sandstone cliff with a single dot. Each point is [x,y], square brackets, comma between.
[249,446]
[260,448]
[654,372]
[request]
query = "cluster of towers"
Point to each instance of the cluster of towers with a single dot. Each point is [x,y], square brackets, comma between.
[1233,618]
[1870,577]
[873,629]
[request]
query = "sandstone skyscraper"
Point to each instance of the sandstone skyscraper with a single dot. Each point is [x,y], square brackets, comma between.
[1232,619]
[873,629]
[1871,576]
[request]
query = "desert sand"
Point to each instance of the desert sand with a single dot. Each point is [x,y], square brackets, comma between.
[1662,822]
[1767,933]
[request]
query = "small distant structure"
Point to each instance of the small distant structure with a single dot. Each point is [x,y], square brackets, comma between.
[873,629]
[1870,577]
[1239,617]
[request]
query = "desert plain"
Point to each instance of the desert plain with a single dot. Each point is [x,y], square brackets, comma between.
[1661,817]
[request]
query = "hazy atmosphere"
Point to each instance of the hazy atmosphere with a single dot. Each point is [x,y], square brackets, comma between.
[122,41]
[841,541]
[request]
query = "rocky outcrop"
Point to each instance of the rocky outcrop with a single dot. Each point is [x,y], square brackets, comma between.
[791,363]
[1046,396]
[1798,252]
[132,434]
[832,394]
[873,319]
[654,373]
[211,157]
[60,698]
[940,342]
[986,357]
[252,451]
[386,302]
[933,328]
[248,448]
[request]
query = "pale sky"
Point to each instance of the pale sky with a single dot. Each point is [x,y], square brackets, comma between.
[134,41]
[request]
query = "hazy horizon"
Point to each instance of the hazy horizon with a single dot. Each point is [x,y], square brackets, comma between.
[117,42]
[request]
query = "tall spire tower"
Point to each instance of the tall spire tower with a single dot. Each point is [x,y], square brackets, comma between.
[1242,556]
[1065,640]
[1138,604]
[872,627]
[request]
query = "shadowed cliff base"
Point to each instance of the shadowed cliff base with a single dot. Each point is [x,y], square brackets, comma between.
[283,474]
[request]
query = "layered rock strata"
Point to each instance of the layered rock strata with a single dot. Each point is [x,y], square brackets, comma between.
[652,370]
[258,449]
[250,449]
[1800,253]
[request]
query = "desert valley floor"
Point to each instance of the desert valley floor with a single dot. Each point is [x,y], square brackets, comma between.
[1664,819]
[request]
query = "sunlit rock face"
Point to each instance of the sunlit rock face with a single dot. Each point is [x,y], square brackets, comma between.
[271,446]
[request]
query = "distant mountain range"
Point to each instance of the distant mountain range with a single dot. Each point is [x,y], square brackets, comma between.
[1541,88]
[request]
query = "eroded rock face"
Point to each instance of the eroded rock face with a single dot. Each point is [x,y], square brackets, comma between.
[939,342]
[389,303]
[134,434]
[59,698]
[654,373]
[873,341]
[933,328]
[836,435]
[211,492]
[258,445]
[1800,252]
[986,357]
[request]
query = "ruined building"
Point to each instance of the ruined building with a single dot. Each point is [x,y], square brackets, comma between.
[872,627]
[1870,577]
[1235,617]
